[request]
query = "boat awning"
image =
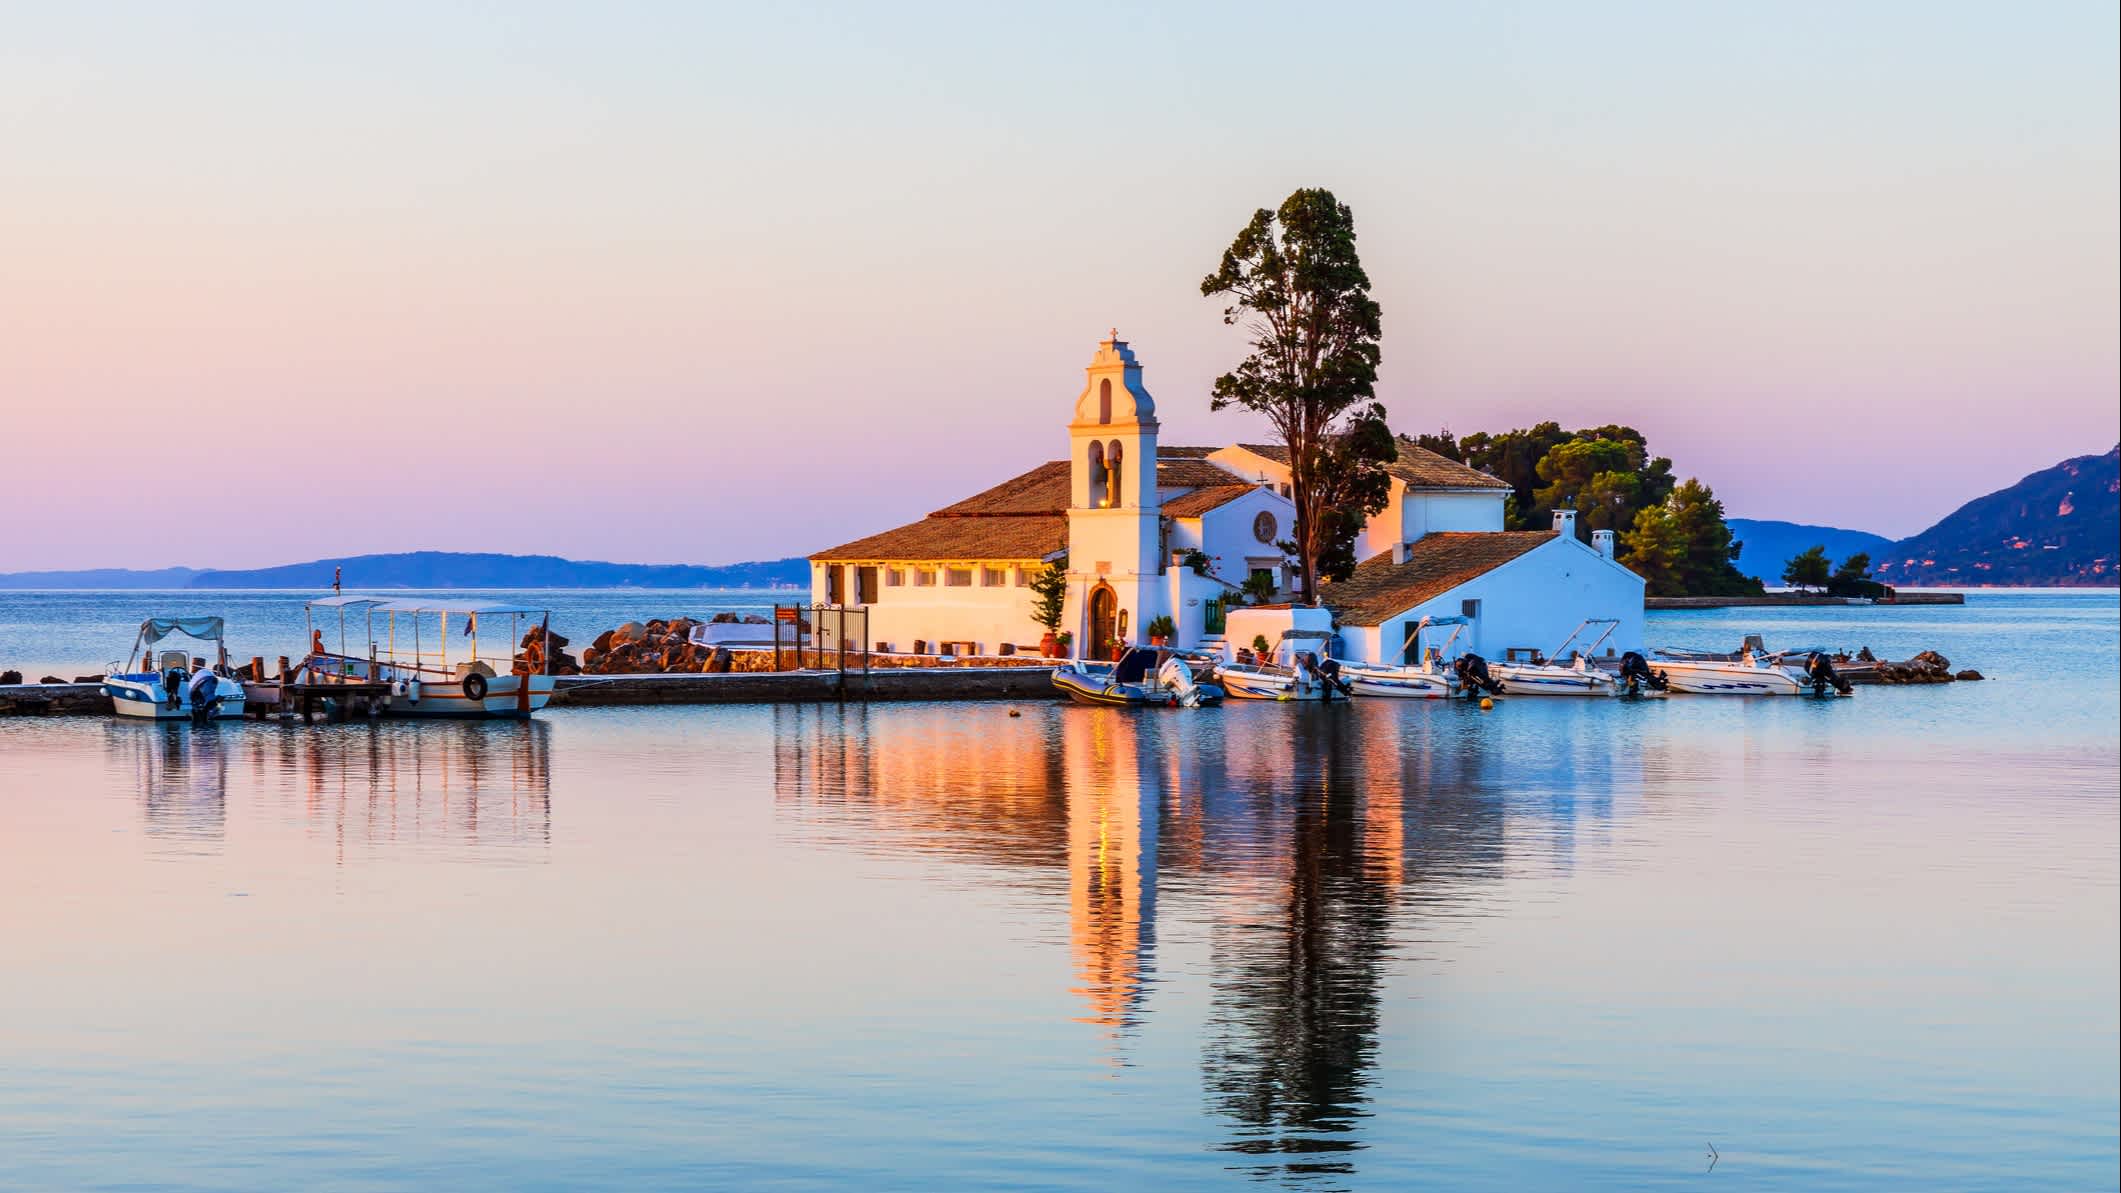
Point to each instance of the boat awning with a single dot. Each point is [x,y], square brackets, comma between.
[482,608]
[373,604]
[155,629]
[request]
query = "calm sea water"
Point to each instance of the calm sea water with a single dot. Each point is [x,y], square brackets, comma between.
[1855,944]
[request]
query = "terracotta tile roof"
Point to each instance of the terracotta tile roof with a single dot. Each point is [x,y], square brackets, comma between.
[1043,490]
[1424,469]
[1200,501]
[1024,517]
[1165,451]
[962,538]
[1380,589]
[1417,465]
[1190,473]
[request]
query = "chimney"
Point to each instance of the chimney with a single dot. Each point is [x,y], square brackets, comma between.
[1401,552]
[1602,542]
[1565,522]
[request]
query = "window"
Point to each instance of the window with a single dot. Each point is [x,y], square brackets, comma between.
[833,582]
[1104,400]
[923,578]
[1469,608]
[893,577]
[994,577]
[957,577]
[865,586]
[1023,577]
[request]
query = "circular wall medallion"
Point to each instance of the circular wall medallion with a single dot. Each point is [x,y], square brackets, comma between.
[1264,527]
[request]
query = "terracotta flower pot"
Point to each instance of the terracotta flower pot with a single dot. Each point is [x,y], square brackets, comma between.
[1049,646]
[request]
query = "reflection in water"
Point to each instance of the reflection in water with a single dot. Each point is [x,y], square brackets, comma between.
[182,778]
[1318,836]
[455,785]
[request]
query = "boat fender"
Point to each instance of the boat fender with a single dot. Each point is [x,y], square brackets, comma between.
[475,687]
[398,688]
[412,690]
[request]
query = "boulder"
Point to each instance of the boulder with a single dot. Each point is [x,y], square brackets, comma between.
[632,631]
[1930,660]
[51,679]
[10,677]
[1969,674]
[603,641]
[718,662]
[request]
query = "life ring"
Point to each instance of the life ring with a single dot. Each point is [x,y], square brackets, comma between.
[475,687]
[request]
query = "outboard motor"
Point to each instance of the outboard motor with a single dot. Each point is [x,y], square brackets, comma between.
[1175,675]
[1329,673]
[1635,675]
[1473,677]
[1821,672]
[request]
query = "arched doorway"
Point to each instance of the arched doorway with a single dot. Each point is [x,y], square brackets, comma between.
[1104,615]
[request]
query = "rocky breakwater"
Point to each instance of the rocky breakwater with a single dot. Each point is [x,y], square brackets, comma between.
[658,646]
[1927,667]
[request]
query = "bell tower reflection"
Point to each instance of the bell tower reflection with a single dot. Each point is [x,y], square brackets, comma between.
[1113,809]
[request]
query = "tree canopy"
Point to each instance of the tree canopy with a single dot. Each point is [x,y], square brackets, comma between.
[1296,285]
[1808,568]
[1682,547]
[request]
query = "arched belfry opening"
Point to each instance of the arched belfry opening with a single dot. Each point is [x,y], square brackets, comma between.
[1099,475]
[1104,401]
[1115,460]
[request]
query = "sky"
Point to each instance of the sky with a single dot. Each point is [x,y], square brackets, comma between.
[683,283]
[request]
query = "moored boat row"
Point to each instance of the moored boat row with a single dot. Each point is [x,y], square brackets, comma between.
[1299,668]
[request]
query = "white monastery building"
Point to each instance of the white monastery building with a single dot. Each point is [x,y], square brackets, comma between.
[1129,514]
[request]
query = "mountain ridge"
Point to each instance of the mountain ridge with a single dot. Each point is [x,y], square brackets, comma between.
[2060,526]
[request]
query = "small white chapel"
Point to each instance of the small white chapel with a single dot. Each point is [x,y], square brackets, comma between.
[1152,532]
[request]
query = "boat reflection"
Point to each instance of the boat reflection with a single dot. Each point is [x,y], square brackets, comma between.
[1314,837]
[182,778]
[378,787]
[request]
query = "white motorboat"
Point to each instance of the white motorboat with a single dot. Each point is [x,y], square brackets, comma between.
[1430,679]
[1751,672]
[1297,669]
[412,656]
[1578,678]
[156,685]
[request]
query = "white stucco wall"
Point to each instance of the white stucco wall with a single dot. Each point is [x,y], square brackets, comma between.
[1531,601]
[985,614]
[1428,511]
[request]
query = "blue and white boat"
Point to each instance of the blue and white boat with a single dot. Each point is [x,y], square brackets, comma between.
[156,685]
[1544,677]
[1429,679]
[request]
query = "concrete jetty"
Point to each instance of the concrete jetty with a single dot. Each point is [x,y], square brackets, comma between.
[763,687]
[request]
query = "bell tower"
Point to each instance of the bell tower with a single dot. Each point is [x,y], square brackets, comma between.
[1115,517]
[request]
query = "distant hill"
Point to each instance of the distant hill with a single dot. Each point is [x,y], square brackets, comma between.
[101,578]
[2059,526]
[435,569]
[1769,545]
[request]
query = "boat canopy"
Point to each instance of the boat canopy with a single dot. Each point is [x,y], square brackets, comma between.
[155,629]
[372,604]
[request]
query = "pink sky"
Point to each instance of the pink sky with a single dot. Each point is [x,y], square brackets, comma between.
[650,283]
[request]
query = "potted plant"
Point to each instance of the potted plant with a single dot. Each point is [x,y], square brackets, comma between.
[1194,558]
[1161,630]
[1049,599]
[1063,644]
[1260,646]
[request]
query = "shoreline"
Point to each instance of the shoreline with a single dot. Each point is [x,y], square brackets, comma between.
[1801,600]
